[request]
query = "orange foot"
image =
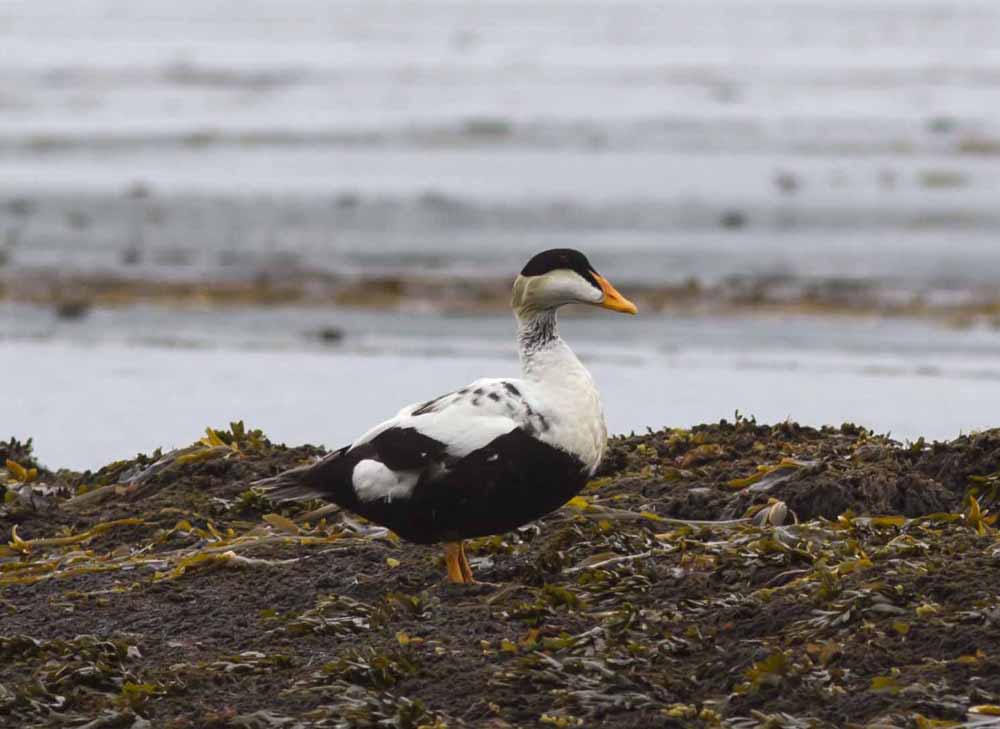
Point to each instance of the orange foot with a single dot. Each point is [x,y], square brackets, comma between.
[459,570]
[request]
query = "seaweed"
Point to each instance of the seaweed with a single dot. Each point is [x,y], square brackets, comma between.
[731,575]
[15,450]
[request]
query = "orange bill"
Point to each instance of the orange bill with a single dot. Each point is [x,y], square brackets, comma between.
[612,299]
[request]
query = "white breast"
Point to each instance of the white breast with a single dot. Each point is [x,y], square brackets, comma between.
[562,390]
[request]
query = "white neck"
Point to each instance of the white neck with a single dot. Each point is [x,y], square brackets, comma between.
[543,353]
[564,390]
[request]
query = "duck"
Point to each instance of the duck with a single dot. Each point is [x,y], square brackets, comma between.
[491,456]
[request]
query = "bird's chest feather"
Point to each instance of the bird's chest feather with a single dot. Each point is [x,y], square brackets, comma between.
[575,419]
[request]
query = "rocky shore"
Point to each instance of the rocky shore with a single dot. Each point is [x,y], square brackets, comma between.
[731,575]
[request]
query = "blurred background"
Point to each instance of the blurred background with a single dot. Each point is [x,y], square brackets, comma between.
[306,214]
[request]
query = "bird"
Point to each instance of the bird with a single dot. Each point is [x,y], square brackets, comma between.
[491,456]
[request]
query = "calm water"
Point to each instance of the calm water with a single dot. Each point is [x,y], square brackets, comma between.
[812,141]
[670,139]
[128,381]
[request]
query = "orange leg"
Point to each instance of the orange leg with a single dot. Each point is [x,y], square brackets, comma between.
[464,564]
[453,559]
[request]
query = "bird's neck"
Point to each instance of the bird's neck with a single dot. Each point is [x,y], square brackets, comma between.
[543,353]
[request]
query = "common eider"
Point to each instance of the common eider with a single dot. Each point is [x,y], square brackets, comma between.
[489,457]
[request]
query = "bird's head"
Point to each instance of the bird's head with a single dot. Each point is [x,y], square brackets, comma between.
[564,276]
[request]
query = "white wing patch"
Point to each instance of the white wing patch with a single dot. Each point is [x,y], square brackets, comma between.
[468,419]
[490,406]
[374,480]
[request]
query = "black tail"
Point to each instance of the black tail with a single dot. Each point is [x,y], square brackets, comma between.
[301,483]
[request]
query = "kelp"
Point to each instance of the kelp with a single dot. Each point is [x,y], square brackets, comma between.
[730,575]
[21,453]
[19,473]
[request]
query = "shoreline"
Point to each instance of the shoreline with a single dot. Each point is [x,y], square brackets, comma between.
[139,397]
[74,295]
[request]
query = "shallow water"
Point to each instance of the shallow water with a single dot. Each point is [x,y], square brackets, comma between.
[89,398]
[850,144]
[670,140]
